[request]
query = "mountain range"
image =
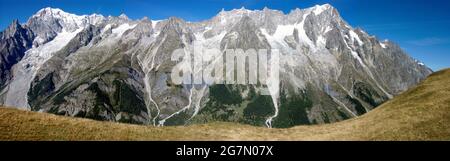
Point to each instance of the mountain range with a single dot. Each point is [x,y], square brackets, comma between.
[118,69]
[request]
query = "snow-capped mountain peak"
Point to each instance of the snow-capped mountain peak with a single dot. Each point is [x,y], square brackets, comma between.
[123,16]
[48,22]
[320,8]
[56,13]
[69,20]
[48,11]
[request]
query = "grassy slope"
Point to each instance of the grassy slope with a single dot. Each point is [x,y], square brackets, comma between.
[421,113]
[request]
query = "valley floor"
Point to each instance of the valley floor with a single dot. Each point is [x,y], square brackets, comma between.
[421,113]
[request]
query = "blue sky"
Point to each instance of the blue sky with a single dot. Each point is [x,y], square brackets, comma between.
[419,26]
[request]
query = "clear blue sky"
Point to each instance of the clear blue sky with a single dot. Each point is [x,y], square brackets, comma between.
[421,27]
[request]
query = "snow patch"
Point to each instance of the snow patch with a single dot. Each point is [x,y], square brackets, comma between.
[106,28]
[154,23]
[212,42]
[318,9]
[327,29]
[355,36]
[118,31]
[419,62]
[286,30]
[208,28]
[223,20]
[383,45]
[321,41]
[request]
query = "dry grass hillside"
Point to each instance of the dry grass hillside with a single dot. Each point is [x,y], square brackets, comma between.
[421,113]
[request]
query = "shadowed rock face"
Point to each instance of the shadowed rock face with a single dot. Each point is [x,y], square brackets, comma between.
[14,41]
[117,69]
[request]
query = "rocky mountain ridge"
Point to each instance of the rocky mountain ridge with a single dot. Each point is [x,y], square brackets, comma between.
[118,69]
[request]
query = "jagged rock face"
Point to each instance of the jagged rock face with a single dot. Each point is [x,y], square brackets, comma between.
[14,41]
[117,69]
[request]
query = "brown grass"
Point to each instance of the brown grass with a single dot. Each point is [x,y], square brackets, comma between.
[421,113]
